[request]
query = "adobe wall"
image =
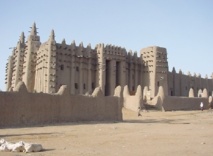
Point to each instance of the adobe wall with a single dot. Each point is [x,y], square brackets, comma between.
[183,103]
[179,83]
[132,102]
[21,108]
[169,103]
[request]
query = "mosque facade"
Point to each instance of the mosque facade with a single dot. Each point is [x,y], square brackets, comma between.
[45,67]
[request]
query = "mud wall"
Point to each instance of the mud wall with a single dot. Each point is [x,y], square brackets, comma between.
[21,108]
[184,103]
[169,103]
[132,102]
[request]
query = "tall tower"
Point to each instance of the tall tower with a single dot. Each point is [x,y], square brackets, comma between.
[101,67]
[32,45]
[45,70]
[19,59]
[14,67]
[51,67]
[155,69]
[9,71]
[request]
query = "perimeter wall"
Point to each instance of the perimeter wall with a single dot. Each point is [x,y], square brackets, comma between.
[21,108]
[174,103]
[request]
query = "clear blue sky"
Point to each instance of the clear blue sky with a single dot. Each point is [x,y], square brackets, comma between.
[184,27]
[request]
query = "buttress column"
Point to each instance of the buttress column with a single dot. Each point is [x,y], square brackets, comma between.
[112,76]
[73,74]
[89,77]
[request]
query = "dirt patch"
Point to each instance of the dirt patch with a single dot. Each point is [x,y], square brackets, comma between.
[155,133]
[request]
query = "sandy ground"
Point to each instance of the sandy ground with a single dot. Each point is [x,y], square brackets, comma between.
[177,133]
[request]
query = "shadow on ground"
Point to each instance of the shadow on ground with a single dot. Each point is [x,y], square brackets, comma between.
[164,121]
[29,134]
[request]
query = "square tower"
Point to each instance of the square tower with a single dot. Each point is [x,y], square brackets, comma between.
[155,69]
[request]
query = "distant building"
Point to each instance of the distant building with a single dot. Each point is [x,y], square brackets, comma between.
[44,67]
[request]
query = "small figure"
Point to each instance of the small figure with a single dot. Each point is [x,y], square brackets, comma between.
[139,111]
[201,106]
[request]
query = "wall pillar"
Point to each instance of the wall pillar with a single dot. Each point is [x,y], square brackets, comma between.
[122,73]
[72,75]
[141,76]
[136,76]
[81,76]
[130,76]
[112,76]
[89,85]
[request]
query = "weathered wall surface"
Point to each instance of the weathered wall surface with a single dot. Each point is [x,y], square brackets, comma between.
[179,83]
[169,103]
[22,108]
[132,102]
[183,103]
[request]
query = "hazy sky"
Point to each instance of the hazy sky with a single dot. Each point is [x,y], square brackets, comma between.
[184,27]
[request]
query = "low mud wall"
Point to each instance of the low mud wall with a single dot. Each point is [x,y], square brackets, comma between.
[184,103]
[132,102]
[22,108]
[169,103]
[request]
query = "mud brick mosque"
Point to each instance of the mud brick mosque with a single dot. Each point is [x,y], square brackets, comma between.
[45,67]
[54,82]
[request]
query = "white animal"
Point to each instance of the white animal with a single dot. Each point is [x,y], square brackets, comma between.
[19,146]
[29,147]
[14,147]
[8,146]
[4,148]
[2,141]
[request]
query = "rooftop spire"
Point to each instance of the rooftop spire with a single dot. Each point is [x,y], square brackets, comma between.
[173,70]
[22,37]
[63,41]
[52,35]
[81,45]
[73,44]
[89,46]
[33,30]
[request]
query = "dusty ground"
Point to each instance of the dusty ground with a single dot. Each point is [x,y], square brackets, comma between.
[177,133]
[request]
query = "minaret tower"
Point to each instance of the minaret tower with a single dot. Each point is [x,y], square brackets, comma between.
[51,66]
[33,44]
[155,69]
[8,76]
[14,69]
[19,59]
